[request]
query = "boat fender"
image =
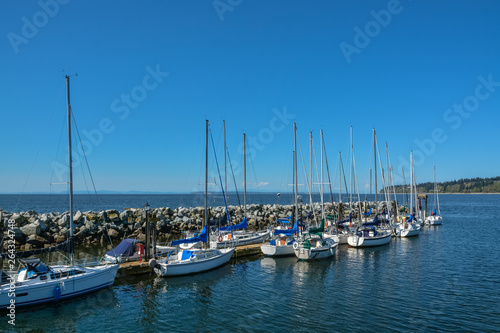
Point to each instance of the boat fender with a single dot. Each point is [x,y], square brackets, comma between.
[57,293]
[152,263]
[295,245]
[220,239]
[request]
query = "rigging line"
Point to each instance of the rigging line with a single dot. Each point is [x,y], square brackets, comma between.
[382,173]
[220,178]
[234,179]
[320,181]
[90,173]
[84,155]
[343,173]
[252,166]
[327,170]
[58,149]
[391,180]
[307,180]
[40,145]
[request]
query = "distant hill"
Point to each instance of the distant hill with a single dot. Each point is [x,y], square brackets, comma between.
[466,185]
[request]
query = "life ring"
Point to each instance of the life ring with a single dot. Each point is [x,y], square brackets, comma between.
[220,238]
[295,245]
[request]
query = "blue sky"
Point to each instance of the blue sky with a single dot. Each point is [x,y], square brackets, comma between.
[424,74]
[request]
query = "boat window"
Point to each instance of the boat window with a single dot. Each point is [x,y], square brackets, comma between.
[22,294]
[43,277]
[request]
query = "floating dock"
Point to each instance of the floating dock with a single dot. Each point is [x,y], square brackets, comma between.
[142,267]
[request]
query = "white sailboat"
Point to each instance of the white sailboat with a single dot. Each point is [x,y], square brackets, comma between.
[312,245]
[194,260]
[369,233]
[435,218]
[237,235]
[282,242]
[410,227]
[38,283]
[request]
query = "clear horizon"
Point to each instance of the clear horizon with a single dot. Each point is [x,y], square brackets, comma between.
[425,75]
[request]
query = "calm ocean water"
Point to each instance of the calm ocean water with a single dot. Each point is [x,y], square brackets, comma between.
[445,280]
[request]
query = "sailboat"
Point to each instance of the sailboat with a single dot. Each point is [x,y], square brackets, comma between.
[435,218]
[281,243]
[311,245]
[369,234]
[409,227]
[38,283]
[195,260]
[237,235]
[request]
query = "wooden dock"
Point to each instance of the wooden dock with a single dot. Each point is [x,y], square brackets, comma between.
[142,267]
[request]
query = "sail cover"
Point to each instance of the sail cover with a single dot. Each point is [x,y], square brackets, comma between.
[292,231]
[242,225]
[369,213]
[319,229]
[376,221]
[202,237]
[285,219]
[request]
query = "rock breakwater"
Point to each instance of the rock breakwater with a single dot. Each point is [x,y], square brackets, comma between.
[32,230]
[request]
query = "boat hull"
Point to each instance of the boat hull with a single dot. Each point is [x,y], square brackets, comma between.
[27,293]
[434,220]
[277,250]
[316,253]
[359,241]
[243,239]
[410,230]
[184,267]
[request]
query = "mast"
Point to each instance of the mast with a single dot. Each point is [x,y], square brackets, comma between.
[70,166]
[375,161]
[327,168]
[340,179]
[295,171]
[404,185]
[205,222]
[311,161]
[388,186]
[244,175]
[371,182]
[225,159]
[411,182]
[436,190]
[321,182]
[351,180]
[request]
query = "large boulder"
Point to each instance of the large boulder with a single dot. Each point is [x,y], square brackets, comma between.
[17,220]
[63,220]
[113,216]
[78,217]
[31,229]
[113,233]
[36,241]
[84,232]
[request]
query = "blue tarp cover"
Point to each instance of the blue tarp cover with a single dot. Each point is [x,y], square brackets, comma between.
[292,231]
[126,248]
[369,213]
[186,254]
[242,225]
[202,237]
[346,220]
